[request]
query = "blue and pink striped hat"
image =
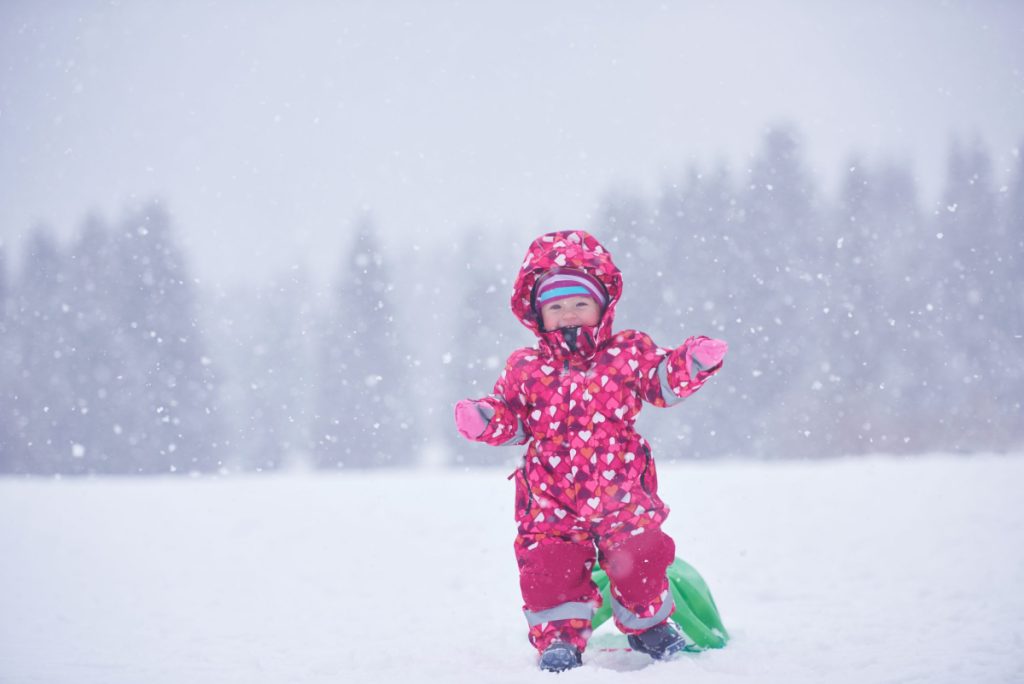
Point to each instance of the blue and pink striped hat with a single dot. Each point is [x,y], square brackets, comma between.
[561,283]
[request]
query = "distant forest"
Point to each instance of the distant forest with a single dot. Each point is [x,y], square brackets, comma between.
[861,323]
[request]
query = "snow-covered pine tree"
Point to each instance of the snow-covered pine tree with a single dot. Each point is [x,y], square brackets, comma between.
[875,230]
[96,359]
[483,333]
[965,287]
[41,399]
[1009,297]
[364,414]
[1013,259]
[702,293]
[3,283]
[274,369]
[1012,249]
[8,393]
[782,245]
[168,386]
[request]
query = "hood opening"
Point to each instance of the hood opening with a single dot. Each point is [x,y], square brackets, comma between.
[566,249]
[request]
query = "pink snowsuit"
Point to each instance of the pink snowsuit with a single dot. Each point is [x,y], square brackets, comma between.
[588,477]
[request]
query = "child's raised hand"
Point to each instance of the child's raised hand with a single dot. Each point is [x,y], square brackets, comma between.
[470,419]
[707,353]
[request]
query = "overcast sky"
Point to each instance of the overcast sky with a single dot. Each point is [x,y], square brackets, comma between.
[268,127]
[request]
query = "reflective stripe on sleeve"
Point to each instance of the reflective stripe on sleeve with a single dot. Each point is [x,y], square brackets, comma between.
[487,412]
[670,397]
[520,435]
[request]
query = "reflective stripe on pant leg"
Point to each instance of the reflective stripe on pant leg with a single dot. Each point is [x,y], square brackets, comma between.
[578,610]
[630,620]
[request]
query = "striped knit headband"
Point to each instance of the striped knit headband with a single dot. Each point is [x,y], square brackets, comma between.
[568,282]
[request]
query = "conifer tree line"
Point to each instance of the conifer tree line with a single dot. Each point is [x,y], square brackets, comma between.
[103,366]
[869,321]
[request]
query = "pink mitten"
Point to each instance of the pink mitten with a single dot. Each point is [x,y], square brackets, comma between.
[469,420]
[707,353]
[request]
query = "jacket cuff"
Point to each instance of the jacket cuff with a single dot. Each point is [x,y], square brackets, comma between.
[505,426]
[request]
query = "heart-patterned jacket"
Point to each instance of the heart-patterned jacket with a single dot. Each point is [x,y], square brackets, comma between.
[574,400]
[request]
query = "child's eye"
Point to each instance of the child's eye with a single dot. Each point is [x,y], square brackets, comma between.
[580,305]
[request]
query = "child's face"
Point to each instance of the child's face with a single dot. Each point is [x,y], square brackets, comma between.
[570,312]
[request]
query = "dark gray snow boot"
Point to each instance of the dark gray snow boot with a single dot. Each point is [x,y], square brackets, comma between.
[560,656]
[660,642]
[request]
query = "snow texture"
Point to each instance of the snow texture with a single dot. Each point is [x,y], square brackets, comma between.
[860,571]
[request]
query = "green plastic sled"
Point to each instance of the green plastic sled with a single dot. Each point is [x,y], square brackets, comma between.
[696,612]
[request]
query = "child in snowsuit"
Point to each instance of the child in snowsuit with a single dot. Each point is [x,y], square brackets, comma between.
[587,479]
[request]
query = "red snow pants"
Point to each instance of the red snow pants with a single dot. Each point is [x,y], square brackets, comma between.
[560,598]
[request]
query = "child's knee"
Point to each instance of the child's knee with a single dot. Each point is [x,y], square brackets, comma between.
[639,557]
[556,572]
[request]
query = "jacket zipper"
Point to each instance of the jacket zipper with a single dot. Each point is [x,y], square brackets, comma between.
[647,464]
[565,421]
[528,504]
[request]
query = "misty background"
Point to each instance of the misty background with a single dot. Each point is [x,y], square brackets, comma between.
[243,238]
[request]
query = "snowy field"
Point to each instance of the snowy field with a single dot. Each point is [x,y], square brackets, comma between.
[855,571]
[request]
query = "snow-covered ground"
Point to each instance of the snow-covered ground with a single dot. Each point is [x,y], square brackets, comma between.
[860,571]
